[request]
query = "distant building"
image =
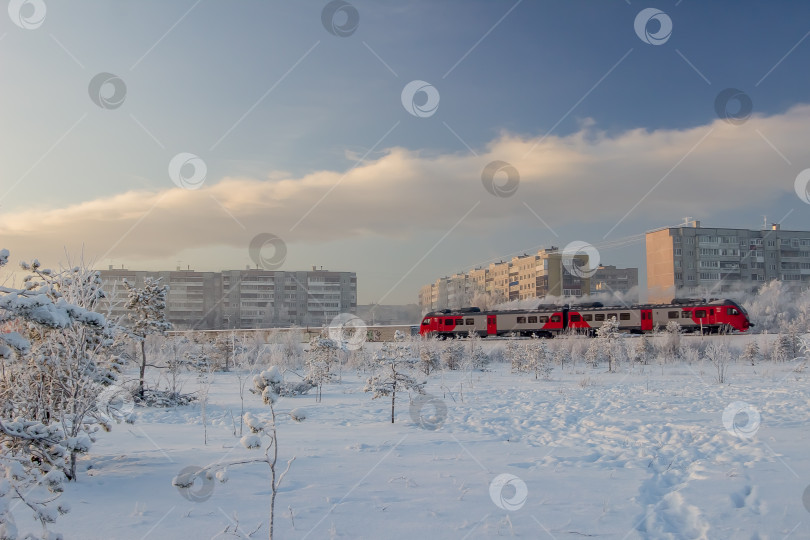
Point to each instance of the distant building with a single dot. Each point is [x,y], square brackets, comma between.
[609,279]
[691,259]
[243,298]
[381,315]
[524,277]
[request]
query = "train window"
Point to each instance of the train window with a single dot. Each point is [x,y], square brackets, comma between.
[700,313]
[521,320]
[555,318]
[599,317]
[732,311]
[624,316]
[711,311]
[686,315]
[673,314]
[588,317]
[449,321]
[543,319]
[575,318]
[470,321]
[533,319]
[611,316]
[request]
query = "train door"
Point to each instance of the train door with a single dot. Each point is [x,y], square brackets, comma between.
[646,320]
[492,325]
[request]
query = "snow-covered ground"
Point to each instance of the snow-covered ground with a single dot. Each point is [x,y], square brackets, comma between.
[643,453]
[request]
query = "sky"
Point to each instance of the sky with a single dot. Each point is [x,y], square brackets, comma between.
[404,141]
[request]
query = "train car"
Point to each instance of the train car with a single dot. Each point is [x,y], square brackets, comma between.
[693,315]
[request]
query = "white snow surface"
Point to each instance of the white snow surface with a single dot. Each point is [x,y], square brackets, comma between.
[642,453]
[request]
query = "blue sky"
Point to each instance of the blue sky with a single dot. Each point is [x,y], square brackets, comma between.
[304,135]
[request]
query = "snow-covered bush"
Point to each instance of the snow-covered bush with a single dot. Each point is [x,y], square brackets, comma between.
[271,382]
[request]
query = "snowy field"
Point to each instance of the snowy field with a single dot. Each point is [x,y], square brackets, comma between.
[642,453]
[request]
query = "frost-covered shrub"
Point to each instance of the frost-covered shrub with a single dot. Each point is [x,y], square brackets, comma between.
[271,382]
[452,354]
[476,355]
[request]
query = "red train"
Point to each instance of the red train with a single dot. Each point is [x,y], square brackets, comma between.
[713,316]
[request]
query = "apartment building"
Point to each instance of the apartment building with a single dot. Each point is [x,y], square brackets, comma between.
[523,277]
[691,259]
[247,298]
[609,279]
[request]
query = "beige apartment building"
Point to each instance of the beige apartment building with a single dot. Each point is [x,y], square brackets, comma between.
[524,277]
[693,260]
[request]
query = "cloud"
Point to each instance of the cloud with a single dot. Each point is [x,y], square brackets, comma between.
[589,176]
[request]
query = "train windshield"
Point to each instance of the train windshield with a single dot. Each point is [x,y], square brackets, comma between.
[738,307]
[426,322]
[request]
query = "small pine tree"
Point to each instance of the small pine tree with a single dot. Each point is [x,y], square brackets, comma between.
[513,354]
[320,358]
[479,359]
[429,357]
[643,350]
[610,342]
[538,358]
[672,341]
[395,362]
[751,353]
[147,313]
[452,354]
[593,356]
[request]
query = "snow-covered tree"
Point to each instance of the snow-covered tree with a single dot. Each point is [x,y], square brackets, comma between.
[718,354]
[594,355]
[429,355]
[611,343]
[780,349]
[476,354]
[55,367]
[514,355]
[262,433]
[452,354]
[146,308]
[643,350]
[671,340]
[752,354]
[320,359]
[395,366]
[537,358]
